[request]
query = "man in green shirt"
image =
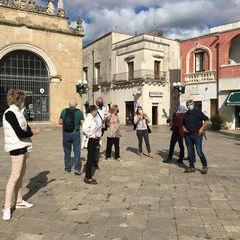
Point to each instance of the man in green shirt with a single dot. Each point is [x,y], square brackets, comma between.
[71,119]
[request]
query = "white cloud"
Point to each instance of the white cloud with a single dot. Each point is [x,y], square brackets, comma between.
[177,18]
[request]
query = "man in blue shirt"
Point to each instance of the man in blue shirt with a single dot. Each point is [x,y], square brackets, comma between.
[195,123]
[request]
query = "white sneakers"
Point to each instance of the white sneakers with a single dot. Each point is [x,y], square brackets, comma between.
[7,211]
[6,214]
[24,204]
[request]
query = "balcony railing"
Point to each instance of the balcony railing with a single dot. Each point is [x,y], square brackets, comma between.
[140,75]
[206,76]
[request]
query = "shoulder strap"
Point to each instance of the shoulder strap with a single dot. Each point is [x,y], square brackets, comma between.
[99,115]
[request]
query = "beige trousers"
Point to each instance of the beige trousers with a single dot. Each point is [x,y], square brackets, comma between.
[14,185]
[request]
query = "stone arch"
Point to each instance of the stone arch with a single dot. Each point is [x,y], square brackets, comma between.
[234,50]
[196,47]
[28,47]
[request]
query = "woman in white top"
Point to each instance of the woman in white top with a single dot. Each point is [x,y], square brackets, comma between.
[93,130]
[141,122]
[17,138]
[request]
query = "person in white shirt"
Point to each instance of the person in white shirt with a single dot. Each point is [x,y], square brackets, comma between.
[93,130]
[17,139]
[102,112]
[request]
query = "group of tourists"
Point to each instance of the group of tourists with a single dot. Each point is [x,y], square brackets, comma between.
[87,129]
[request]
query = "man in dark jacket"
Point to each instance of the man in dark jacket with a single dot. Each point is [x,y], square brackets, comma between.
[177,134]
[195,123]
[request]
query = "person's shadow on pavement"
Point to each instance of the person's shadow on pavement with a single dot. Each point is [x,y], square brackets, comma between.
[164,154]
[36,183]
[132,149]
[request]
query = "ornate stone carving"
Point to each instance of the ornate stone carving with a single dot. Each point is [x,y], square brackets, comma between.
[79,27]
[50,7]
[61,9]
[27,5]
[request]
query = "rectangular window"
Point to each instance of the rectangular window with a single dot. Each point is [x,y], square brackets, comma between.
[97,73]
[199,62]
[130,70]
[85,74]
[157,70]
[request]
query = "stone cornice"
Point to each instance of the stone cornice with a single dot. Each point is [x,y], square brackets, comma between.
[40,28]
[134,83]
[29,6]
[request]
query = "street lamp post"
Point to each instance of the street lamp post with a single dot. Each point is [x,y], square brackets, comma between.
[179,88]
[81,87]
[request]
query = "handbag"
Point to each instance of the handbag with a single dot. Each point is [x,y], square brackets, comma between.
[149,129]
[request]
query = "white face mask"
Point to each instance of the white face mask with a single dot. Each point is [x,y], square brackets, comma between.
[140,111]
[190,107]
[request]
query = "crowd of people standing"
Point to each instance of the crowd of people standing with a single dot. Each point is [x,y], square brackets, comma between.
[85,130]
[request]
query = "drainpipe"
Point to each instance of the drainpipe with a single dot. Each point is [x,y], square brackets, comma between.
[217,71]
[93,75]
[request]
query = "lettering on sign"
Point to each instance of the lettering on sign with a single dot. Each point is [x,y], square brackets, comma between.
[155,94]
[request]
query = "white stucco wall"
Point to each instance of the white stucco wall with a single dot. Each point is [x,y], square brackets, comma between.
[203,92]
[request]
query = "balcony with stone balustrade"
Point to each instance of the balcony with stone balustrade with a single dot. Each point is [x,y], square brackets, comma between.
[200,77]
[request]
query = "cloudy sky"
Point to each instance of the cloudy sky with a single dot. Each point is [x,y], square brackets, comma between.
[176,18]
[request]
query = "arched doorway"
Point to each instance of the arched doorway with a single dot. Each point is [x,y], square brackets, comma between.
[22,69]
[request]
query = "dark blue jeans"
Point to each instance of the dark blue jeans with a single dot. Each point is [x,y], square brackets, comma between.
[70,140]
[191,141]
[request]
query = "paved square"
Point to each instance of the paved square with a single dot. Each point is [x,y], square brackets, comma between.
[136,199]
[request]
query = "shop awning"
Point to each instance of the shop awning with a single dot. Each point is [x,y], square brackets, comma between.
[233,99]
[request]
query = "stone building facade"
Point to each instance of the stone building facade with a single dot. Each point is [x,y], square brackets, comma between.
[210,66]
[41,54]
[133,70]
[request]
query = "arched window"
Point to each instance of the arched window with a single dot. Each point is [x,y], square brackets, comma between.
[234,53]
[25,70]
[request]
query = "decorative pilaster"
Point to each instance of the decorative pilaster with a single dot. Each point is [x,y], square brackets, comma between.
[61,9]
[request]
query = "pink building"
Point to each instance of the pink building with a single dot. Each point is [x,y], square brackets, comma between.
[210,70]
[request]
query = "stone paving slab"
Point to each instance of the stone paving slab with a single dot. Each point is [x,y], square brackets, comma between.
[136,198]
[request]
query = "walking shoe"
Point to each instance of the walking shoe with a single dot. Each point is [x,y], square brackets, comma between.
[150,155]
[90,181]
[109,159]
[67,172]
[204,170]
[118,159]
[190,170]
[24,204]
[180,161]
[77,173]
[140,155]
[6,214]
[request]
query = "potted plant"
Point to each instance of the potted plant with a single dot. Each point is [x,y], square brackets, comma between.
[217,122]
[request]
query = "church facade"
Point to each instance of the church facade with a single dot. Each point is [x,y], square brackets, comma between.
[39,53]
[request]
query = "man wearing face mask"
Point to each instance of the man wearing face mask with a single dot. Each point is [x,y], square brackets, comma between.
[102,112]
[195,123]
